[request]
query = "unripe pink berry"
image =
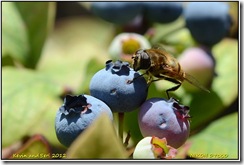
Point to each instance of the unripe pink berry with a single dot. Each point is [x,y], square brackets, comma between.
[200,64]
[165,119]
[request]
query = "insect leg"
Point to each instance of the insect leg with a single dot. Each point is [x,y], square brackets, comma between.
[150,80]
[131,81]
[172,89]
[175,87]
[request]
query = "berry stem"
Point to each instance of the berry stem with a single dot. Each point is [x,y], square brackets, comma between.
[173,31]
[178,27]
[121,123]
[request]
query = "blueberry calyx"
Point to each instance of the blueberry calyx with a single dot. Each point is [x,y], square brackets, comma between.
[182,111]
[74,104]
[118,67]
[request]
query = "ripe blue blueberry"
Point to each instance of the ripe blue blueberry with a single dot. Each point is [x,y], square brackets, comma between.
[208,22]
[116,12]
[162,12]
[112,86]
[165,119]
[76,114]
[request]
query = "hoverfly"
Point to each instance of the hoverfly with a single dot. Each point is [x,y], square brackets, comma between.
[162,65]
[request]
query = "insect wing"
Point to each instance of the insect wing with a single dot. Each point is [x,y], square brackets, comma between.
[195,82]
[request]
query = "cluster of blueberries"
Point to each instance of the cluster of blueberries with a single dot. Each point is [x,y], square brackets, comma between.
[208,22]
[117,88]
[111,90]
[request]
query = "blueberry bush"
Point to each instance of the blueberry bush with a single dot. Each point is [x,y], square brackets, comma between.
[69,90]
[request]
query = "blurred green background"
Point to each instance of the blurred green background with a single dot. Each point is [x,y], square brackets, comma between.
[50,49]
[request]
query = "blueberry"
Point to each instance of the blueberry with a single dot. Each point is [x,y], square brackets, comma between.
[165,119]
[112,85]
[116,12]
[208,22]
[162,12]
[76,114]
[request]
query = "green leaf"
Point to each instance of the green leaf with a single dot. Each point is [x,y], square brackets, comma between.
[37,25]
[93,66]
[24,34]
[27,99]
[204,107]
[36,147]
[67,62]
[14,34]
[7,61]
[218,141]
[226,82]
[45,126]
[98,141]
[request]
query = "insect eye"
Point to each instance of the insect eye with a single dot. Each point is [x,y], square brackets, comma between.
[144,56]
[139,51]
[135,57]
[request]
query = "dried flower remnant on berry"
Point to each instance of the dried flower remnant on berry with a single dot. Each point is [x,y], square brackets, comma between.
[182,111]
[161,150]
[118,67]
[75,104]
